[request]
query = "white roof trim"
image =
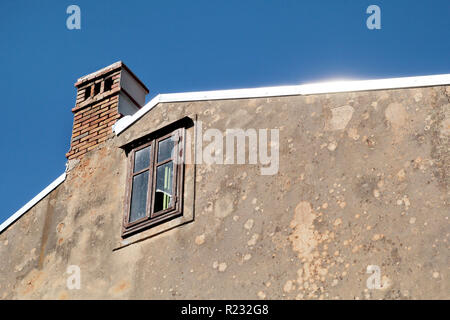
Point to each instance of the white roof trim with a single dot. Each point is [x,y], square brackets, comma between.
[304,89]
[32,202]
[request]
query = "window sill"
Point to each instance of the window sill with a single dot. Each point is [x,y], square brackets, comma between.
[187,217]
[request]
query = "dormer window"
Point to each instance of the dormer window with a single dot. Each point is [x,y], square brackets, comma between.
[155,182]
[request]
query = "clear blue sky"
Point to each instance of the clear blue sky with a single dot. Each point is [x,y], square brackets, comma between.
[176,46]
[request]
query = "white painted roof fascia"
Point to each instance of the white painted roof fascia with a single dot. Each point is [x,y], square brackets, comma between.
[303,89]
[32,202]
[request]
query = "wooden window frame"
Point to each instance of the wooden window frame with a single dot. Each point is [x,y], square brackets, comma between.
[154,218]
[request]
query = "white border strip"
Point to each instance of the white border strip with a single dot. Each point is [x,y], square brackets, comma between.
[305,89]
[32,202]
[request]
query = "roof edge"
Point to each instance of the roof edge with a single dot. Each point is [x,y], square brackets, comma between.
[32,202]
[302,89]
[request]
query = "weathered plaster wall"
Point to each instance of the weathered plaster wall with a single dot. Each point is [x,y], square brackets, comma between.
[363,180]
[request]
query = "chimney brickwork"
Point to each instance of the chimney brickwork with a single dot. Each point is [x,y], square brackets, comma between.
[103,98]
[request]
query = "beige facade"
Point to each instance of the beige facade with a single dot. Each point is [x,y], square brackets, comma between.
[362,182]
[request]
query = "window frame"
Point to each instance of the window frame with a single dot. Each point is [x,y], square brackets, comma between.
[153,218]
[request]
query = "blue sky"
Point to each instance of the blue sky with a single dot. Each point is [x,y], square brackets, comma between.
[176,46]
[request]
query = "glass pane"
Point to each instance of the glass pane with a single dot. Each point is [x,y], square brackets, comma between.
[164,180]
[165,149]
[139,196]
[142,159]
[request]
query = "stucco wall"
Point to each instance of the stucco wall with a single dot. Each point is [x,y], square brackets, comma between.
[363,180]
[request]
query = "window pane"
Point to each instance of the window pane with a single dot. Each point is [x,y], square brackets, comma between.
[142,159]
[165,149]
[164,180]
[139,196]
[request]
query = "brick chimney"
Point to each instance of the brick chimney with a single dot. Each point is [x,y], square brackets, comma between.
[103,97]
